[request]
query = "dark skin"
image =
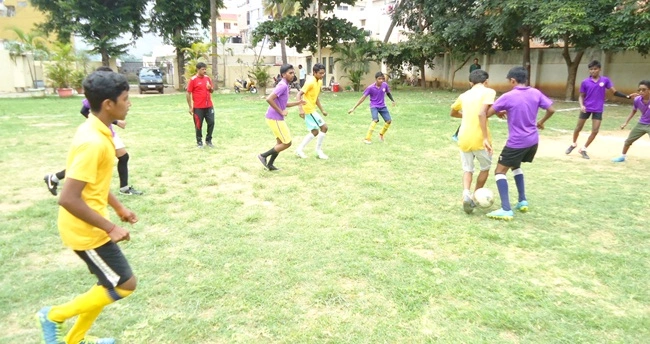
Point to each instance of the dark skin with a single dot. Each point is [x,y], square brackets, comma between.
[71,196]
[318,75]
[288,76]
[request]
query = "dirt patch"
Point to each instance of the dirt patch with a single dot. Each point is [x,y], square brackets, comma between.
[607,145]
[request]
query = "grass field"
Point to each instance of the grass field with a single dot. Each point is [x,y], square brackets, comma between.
[370,246]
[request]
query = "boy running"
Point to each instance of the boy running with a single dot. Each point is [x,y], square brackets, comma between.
[377,92]
[592,104]
[313,120]
[520,105]
[83,220]
[472,107]
[278,103]
[641,103]
[199,99]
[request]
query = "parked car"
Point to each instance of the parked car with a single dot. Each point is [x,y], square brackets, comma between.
[151,79]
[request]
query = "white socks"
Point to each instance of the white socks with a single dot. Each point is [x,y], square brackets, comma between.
[319,141]
[305,141]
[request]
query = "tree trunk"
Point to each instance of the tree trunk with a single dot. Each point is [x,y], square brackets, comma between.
[213,27]
[526,48]
[283,49]
[106,60]
[393,22]
[180,61]
[423,72]
[572,68]
[453,73]
[318,33]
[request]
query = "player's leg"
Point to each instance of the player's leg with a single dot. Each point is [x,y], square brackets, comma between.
[283,141]
[313,128]
[596,119]
[636,133]
[467,162]
[209,120]
[319,141]
[385,115]
[116,281]
[123,167]
[509,158]
[582,118]
[52,181]
[199,115]
[374,113]
[455,136]
[522,201]
[485,162]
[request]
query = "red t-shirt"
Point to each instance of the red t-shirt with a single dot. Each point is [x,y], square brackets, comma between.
[198,86]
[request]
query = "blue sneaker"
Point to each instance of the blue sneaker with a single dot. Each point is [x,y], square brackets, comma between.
[501,214]
[94,340]
[52,331]
[522,206]
[619,159]
[454,137]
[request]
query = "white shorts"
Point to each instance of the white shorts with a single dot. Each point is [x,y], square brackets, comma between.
[117,141]
[467,159]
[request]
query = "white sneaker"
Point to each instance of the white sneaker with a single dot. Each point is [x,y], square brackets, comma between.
[322,155]
[301,154]
[367,141]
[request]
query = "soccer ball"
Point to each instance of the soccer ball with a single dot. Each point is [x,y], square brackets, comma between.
[484,197]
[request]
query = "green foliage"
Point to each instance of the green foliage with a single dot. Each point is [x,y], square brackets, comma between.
[260,73]
[77,78]
[176,20]
[32,43]
[60,70]
[628,27]
[197,52]
[99,22]
[354,59]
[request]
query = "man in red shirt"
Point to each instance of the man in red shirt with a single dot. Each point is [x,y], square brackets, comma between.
[200,101]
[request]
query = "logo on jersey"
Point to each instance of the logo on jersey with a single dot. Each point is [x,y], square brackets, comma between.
[601,84]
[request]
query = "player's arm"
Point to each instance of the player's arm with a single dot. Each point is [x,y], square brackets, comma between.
[549,112]
[482,120]
[85,111]
[619,94]
[72,201]
[125,214]
[320,107]
[363,97]
[629,118]
[188,96]
[581,101]
[271,100]
[456,113]
[301,111]
[390,96]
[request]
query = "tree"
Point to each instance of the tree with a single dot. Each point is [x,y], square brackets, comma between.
[98,22]
[225,51]
[278,10]
[214,13]
[418,51]
[176,21]
[624,27]
[298,30]
[355,59]
[31,45]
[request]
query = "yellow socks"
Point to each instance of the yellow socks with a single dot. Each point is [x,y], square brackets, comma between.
[385,128]
[373,124]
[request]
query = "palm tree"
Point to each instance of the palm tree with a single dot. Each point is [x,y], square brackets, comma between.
[355,60]
[278,10]
[196,53]
[32,44]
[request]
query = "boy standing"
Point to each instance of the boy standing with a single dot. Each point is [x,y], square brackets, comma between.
[592,104]
[377,92]
[315,123]
[520,105]
[303,75]
[641,103]
[472,107]
[200,101]
[83,220]
[278,103]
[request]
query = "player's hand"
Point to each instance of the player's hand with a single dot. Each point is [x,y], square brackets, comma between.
[502,115]
[324,113]
[394,103]
[127,215]
[633,95]
[487,146]
[284,112]
[623,125]
[302,114]
[350,111]
[118,234]
[583,109]
[540,125]
[121,124]
[303,102]
[191,112]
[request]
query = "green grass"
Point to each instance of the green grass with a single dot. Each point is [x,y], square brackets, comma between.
[371,246]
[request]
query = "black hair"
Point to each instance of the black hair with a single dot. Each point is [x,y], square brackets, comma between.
[594,63]
[285,68]
[478,76]
[104,69]
[99,86]
[201,65]
[300,66]
[378,74]
[646,83]
[476,59]
[318,67]
[520,74]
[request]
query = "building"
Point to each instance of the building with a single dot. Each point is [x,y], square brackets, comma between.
[20,14]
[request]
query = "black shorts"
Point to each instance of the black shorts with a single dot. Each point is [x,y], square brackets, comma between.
[594,115]
[513,157]
[108,263]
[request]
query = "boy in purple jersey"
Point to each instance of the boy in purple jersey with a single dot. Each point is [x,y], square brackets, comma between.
[377,92]
[520,106]
[278,104]
[592,103]
[641,103]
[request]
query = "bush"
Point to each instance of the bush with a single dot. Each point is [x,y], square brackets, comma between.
[260,73]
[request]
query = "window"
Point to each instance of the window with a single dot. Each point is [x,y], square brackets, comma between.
[331,65]
[363,22]
[226,26]
[11,11]
[342,8]
[22,4]
[248,18]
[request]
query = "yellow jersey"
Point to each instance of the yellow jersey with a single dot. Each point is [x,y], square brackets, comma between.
[90,160]
[470,103]
[311,90]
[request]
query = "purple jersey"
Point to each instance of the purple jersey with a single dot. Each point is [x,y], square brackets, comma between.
[282,93]
[644,108]
[377,94]
[522,104]
[594,93]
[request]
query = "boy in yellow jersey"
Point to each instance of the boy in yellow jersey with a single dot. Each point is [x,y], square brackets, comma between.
[315,123]
[83,221]
[472,107]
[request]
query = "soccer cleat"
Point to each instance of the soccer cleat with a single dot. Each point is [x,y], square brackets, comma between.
[129,190]
[619,159]
[454,138]
[199,145]
[381,137]
[366,141]
[209,144]
[570,149]
[301,154]
[272,168]
[51,185]
[584,154]
[95,340]
[522,206]
[52,331]
[468,205]
[501,214]
[262,160]
[322,155]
